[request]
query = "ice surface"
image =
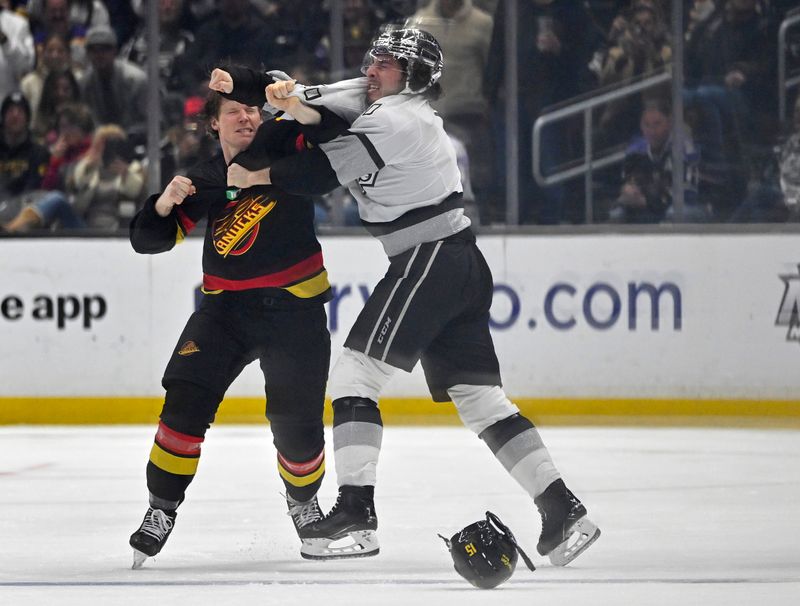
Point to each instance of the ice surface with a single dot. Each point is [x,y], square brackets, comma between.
[689,516]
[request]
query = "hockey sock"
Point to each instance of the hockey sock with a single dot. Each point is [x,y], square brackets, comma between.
[357,435]
[172,466]
[519,448]
[302,479]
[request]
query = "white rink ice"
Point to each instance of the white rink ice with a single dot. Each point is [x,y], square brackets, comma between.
[689,516]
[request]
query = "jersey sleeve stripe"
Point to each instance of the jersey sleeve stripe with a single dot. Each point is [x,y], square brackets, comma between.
[373,153]
[351,160]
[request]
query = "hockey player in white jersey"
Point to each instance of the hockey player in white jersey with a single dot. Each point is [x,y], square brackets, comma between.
[432,305]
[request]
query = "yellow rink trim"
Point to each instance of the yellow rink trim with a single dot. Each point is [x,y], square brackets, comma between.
[421,411]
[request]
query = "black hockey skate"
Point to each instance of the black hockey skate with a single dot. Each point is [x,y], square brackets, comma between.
[352,520]
[152,534]
[303,514]
[566,531]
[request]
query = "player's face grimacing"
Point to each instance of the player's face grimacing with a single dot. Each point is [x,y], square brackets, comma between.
[236,124]
[385,76]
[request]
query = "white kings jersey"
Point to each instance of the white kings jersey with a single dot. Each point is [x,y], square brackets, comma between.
[400,166]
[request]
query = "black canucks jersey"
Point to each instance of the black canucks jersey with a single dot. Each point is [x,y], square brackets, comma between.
[260,237]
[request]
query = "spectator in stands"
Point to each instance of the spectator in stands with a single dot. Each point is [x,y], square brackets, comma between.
[698,13]
[114,89]
[16,50]
[54,57]
[122,18]
[236,34]
[75,126]
[80,14]
[108,182]
[646,194]
[728,65]
[639,45]
[298,29]
[360,23]
[22,161]
[790,164]
[774,195]
[464,33]
[59,88]
[174,41]
[362,18]
[604,12]
[556,42]
[102,191]
[52,17]
[70,18]
[187,143]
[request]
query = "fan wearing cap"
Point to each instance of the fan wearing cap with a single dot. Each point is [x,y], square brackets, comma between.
[22,161]
[432,306]
[115,89]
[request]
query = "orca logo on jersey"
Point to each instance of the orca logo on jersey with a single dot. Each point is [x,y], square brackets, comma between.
[235,232]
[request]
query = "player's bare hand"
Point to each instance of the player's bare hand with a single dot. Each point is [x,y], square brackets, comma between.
[281,88]
[221,81]
[174,194]
[278,95]
[238,176]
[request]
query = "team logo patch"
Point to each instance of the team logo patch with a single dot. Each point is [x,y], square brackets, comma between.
[188,348]
[368,180]
[312,93]
[236,231]
[789,312]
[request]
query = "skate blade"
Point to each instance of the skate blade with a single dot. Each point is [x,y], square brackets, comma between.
[582,534]
[138,559]
[359,544]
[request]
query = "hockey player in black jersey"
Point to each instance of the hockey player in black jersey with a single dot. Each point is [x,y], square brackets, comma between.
[432,305]
[265,287]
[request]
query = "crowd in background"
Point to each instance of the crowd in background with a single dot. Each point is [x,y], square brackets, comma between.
[73,87]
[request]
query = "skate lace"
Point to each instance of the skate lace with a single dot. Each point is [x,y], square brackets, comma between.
[305,513]
[157,524]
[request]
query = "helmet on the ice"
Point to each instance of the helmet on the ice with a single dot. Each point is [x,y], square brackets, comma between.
[485,553]
[417,51]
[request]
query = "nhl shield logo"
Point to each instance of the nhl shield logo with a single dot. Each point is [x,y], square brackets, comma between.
[789,312]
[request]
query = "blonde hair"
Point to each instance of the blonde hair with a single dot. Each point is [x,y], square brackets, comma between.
[109,131]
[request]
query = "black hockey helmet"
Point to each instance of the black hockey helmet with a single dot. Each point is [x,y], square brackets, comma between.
[418,52]
[485,553]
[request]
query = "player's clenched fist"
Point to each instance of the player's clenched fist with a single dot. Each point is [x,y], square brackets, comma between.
[278,95]
[220,81]
[238,176]
[175,193]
